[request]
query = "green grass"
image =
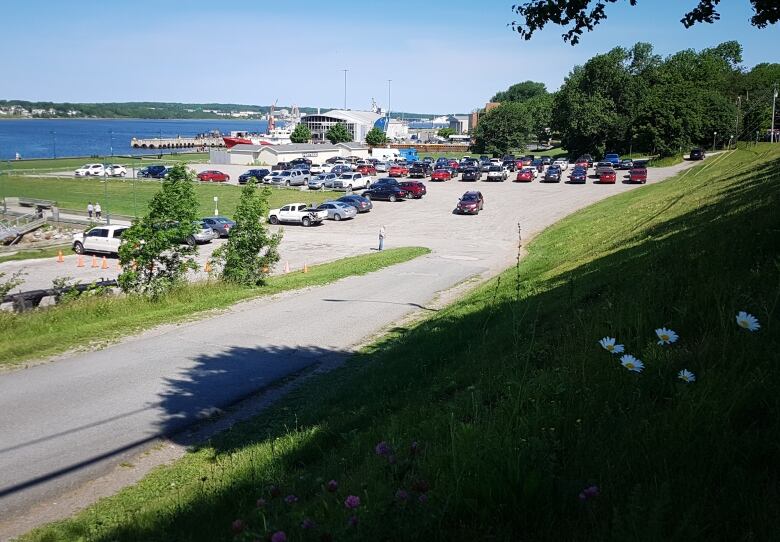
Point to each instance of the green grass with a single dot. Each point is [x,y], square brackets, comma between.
[666,161]
[128,197]
[45,332]
[516,408]
[64,164]
[35,253]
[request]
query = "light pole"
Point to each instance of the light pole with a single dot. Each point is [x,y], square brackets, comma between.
[54,144]
[111,142]
[730,138]
[216,202]
[774,101]
[714,134]
[345,88]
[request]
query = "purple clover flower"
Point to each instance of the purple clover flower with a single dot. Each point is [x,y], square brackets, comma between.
[352,521]
[279,536]
[383,448]
[332,486]
[352,502]
[401,495]
[590,492]
[307,523]
[291,499]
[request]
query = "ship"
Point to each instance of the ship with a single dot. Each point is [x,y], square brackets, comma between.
[275,135]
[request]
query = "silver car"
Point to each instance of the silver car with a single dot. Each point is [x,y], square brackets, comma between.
[324,180]
[203,234]
[381,167]
[337,210]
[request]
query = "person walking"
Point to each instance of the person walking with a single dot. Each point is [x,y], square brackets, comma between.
[90,209]
[382,232]
[98,210]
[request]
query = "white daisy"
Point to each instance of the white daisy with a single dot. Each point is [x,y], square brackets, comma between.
[686,376]
[748,321]
[666,336]
[631,363]
[608,344]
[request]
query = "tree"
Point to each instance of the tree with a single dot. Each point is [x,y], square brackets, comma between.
[250,250]
[445,132]
[301,134]
[502,129]
[376,137]
[576,16]
[520,92]
[338,133]
[157,250]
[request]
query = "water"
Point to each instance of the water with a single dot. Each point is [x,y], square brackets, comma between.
[47,138]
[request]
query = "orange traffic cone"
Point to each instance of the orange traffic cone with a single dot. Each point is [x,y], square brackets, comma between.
[80,262]
[60,259]
[208,266]
[94,261]
[286,267]
[265,270]
[105,264]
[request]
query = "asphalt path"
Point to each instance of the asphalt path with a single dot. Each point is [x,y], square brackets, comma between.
[69,421]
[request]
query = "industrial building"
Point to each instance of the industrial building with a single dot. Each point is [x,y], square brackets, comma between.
[273,154]
[357,123]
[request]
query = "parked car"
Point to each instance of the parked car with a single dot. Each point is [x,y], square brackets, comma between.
[608,176]
[152,172]
[203,234]
[289,177]
[443,174]
[562,163]
[220,224]
[470,203]
[638,175]
[316,169]
[484,166]
[297,213]
[213,175]
[612,158]
[454,166]
[90,170]
[115,170]
[324,180]
[361,204]
[351,181]
[581,163]
[496,173]
[553,175]
[338,210]
[414,189]
[366,169]
[103,239]
[579,175]
[602,166]
[385,191]
[398,170]
[340,169]
[527,174]
[546,160]
[381,167]
[586,158]
[420,169]
[257,174]
[526,160]
[696,154]
[471,174]
[626,163]
[538,164]
[510,165]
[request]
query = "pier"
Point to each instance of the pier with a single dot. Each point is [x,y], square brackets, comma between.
[177,142]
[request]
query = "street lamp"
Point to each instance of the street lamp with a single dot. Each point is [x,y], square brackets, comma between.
[216,202]
[111,141]
[730,138]
[54,144]
[713,140]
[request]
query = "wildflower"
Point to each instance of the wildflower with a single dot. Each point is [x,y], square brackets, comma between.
[631,363]
[307,523]
[608,344]
[383,448]
[666,336]
[332,486]
[237,526]
[352,521]
[352,502]
[414,448]
[422,499]
[589,493]
[260,503]
[401,495]
[686,376]
[748,321]
[279,536]
[291,499]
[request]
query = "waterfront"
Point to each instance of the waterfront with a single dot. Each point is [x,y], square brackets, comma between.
[49,138]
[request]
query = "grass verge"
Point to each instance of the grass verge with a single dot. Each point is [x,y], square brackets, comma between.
[46,332]
[489,420]
[59,164]
[36,253]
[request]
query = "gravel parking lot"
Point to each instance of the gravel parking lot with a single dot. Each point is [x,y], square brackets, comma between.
[490,237]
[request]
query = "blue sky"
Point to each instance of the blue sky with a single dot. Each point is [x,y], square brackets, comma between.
[442,56]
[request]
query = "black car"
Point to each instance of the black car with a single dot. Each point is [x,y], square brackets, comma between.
[386,181]
[301,161]
[471,174]
[281,166]
[363,205]
[553,175]
[510,165]
[538,164]
[420,169]
[578,175]
[153,172]
[697,154]
[257,174]
[385,191]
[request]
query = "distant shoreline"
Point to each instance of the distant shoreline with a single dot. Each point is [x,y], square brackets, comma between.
[231,119]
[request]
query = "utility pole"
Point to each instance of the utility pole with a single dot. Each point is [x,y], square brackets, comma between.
[345,88]
[736,121]
[774,100]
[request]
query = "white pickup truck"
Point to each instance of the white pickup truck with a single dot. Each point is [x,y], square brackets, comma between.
[350,181]
[297,213]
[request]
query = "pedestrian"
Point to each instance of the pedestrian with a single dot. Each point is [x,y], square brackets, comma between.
[90,209]
[382,237]
[98,210]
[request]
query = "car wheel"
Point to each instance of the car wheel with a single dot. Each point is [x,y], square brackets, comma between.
[349,187]
[274,219]
[191,241]
[78,248]
[337,217]
[306,221]
[122,174]
[367,196]
[392,198]
[286,183]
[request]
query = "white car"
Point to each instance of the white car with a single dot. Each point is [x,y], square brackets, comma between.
[562,163]
[103,239]
[351,181]
[497,173]
[315,169]
[90,169]
[323,180]
[297,213]
[115,170]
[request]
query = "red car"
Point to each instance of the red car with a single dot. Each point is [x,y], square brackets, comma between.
[414,189]
[366,169]
[441,175]
[455,166]
[608,176]
[398,171]
[213,176]
[581,163]
[638,175]
[525,175]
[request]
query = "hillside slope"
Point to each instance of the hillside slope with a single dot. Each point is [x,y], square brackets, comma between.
[501,417]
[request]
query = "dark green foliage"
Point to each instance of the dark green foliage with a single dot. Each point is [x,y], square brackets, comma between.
[155,254]
[301,134]
[445,132]
[376,137]
[520,92]
[338,133]
[505,128]
[250,252]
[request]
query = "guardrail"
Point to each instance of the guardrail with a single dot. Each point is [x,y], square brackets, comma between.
[27,300]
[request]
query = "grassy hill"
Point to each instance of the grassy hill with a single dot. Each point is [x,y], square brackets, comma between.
[501,417]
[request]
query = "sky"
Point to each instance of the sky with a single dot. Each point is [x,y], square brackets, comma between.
[441,56]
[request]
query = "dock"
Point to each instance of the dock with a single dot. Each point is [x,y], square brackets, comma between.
[177,142]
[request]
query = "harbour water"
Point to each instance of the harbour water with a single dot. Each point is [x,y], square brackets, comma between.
[49,138]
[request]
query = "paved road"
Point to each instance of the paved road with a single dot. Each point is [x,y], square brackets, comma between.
[69,421]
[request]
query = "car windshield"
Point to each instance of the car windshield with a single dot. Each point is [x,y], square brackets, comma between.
[469,197]
[495,168]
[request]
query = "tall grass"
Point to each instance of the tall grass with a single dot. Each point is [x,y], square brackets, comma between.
[513,407]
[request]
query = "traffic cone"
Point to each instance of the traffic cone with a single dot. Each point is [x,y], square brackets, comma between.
[80,262]
[286,267]
[105,264]
[208,266]
[94,261]
[265,270]
[305,268]
[60,259]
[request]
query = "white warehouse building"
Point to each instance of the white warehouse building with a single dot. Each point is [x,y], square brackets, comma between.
[358,123]
[273,154]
